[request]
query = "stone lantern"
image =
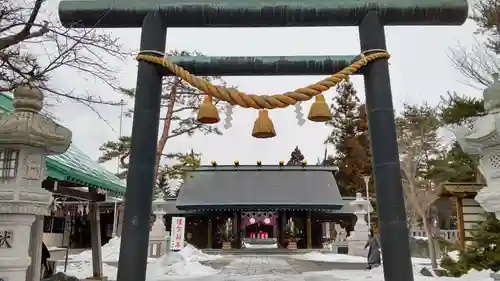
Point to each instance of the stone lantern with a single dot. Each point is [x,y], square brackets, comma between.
[159,212]
[26,137]
[483,140]
[357,239]
[158,236]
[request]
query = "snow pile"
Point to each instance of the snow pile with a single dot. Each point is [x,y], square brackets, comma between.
[421,238]
[377,274]
[83,269]
[331,257]
[163,266]
[110,252]
[189,254]
[454,255]
[317,256]
[184,263]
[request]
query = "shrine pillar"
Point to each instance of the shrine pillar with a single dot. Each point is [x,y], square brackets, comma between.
[26,137]
[308,230]
[237,229]
[209,233]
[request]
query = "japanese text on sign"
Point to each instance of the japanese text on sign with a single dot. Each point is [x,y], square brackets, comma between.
[177,236]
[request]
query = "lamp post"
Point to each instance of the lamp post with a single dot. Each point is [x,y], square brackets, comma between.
[367,180]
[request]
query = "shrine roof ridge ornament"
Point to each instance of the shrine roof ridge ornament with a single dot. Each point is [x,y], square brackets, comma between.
[218,168]
[260,13]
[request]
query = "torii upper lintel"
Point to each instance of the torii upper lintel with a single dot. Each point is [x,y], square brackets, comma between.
[261,13]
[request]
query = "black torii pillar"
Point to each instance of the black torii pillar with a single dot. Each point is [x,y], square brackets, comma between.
[370,15]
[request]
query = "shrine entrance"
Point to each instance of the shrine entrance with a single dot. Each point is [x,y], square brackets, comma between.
[259,229]
[259,225]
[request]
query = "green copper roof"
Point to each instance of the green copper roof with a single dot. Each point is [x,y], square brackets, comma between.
[74,165]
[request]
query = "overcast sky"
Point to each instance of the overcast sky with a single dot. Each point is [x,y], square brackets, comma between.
[420,71]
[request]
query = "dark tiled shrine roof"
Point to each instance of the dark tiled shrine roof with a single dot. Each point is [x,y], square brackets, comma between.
[265,187]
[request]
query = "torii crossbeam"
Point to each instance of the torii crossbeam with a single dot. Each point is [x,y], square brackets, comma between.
[154,16]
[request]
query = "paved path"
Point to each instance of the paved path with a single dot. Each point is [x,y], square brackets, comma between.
[266,268]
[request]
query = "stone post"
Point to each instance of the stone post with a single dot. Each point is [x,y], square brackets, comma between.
[35,250]
[357,239]
[26,137]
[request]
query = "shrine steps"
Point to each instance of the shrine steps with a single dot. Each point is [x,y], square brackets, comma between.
[266,252]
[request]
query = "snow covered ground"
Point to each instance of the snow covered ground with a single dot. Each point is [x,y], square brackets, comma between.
[185,265]
[182,264]
[378,275]
[317,256]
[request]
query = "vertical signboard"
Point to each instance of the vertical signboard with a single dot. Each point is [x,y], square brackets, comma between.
[177,236]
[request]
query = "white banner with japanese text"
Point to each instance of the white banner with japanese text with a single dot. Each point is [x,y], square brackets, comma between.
[177,236]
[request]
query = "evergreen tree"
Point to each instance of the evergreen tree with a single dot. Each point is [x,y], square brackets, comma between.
[351,140]
[296,157]
[117,150]
[483,251]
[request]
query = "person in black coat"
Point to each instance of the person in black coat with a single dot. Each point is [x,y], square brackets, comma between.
[45,257]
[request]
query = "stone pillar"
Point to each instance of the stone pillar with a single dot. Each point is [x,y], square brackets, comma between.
[357,239]
[25,138]
[35,250]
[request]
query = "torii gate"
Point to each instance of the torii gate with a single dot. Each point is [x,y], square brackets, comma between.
[154,16]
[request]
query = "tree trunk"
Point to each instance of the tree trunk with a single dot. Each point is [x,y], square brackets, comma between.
[166,128]
[430,241]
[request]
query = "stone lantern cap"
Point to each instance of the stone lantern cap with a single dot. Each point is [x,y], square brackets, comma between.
[485,132]
[360,204]
[491,96]
[27,127]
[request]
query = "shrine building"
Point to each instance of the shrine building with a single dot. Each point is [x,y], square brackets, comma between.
[245,206]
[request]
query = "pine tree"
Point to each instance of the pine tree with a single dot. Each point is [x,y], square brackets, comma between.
[351,140]
[483,251]
[296,157]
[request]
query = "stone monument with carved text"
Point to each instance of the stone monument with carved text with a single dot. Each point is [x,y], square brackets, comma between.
[26,137]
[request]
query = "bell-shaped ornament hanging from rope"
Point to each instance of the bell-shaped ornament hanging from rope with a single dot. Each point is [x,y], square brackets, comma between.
[263,127]
[320,111]
[207,113]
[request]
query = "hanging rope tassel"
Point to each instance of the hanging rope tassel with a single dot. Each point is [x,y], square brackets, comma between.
[320,111]
[263,127]
[207,113]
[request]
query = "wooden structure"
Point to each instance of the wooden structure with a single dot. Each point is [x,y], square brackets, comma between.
[235,206]
[469,212]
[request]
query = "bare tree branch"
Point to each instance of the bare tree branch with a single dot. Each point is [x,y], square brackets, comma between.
[34,47]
